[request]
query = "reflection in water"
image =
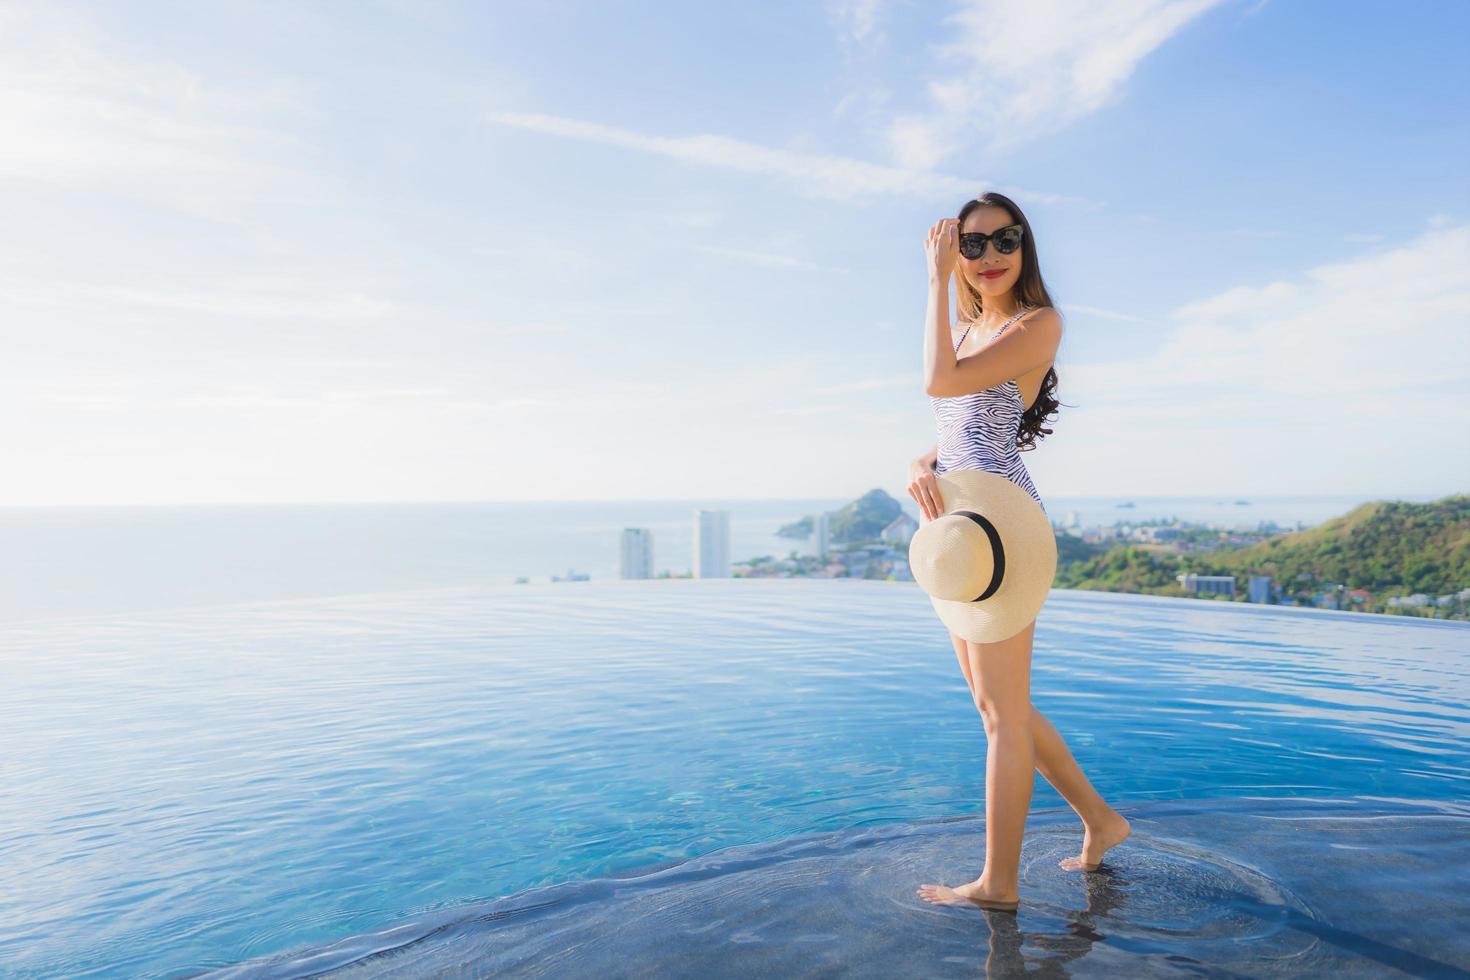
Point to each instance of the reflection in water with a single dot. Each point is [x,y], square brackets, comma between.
[1199,888]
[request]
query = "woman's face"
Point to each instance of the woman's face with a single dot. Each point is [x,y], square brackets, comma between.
[1008,267]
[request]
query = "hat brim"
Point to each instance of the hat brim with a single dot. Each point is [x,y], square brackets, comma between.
[1030,548]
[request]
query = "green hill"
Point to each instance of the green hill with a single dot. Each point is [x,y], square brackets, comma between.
[1386,547]
[862,520]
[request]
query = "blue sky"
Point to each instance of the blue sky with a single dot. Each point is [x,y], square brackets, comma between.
[276,252]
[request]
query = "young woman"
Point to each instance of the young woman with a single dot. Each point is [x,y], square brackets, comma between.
[991,386]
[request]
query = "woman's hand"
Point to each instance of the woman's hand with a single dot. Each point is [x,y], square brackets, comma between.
[924,488]
[943,247]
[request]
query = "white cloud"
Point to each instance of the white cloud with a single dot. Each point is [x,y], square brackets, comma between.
[820,175]
[1388,323]
[274,297]
[1014,71]
[859,22]
[863,45]
[800,410]
[769,260]
[1265,382]
[1101,313]
[78,111]
[910,380]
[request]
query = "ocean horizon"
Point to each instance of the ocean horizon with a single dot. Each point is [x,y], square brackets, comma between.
[68,562]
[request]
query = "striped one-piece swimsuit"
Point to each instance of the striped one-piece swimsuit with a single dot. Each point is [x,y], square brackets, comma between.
[978,431]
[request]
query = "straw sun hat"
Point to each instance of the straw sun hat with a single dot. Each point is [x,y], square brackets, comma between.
[988,559]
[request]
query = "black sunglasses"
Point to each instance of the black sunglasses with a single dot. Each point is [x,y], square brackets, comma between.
[1006,239]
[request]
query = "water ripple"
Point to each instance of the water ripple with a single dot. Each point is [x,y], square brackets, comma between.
[196,788]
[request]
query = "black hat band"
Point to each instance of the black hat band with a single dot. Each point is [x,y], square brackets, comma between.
[999,571]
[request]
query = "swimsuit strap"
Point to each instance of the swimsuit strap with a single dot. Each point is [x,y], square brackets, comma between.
[1020,313]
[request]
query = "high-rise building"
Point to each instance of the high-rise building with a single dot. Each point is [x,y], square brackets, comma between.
[711,544]
[822,533]
[637,553]
[900,530]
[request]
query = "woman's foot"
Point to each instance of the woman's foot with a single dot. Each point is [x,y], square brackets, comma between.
[1096,841]
[973,893]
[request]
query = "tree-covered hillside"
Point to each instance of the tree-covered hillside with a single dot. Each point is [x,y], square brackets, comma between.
[1382,546]
[1386,548]
[862,520]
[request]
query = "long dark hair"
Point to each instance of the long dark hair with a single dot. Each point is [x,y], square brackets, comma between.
[1030,291]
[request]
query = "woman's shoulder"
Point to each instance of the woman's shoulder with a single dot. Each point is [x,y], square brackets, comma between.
[957,329]
[1030,313]
[1041,314]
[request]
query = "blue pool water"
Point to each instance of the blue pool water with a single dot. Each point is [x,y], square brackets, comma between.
[719,777]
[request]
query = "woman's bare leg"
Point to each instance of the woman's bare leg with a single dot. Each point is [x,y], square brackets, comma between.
[1003,672]
[1103,825]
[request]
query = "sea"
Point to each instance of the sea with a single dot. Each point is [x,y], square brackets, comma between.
[64,562]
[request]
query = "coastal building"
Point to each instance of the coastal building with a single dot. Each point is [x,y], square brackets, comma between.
[1206,584]
[822,533]
[1259,589]
[636,554]
[711,544]
[900,530]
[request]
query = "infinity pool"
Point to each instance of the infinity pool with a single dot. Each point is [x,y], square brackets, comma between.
[720,778]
